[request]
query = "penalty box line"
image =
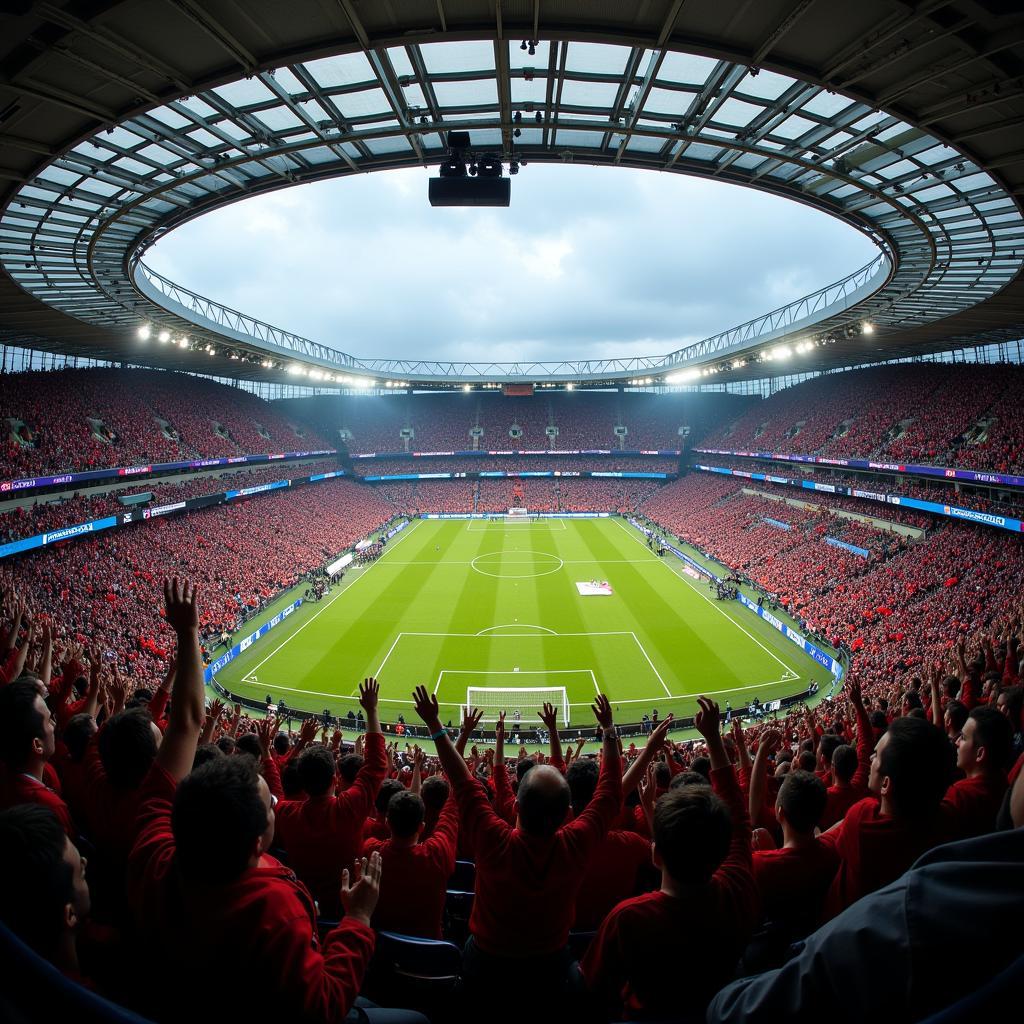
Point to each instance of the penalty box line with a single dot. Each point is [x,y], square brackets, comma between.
[517,672]
[613,632]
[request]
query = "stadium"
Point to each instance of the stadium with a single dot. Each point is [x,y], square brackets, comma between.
[506,640]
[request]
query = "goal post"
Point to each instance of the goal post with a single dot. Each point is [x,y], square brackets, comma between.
[518,515]
[527,700]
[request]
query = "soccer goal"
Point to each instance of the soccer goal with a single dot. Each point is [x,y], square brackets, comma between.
[525,700]
[519,515]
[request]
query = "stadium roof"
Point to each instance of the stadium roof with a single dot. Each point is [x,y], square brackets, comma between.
[120,121]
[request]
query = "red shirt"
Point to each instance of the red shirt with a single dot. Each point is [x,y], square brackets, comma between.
[324,834]
[874,849]
[257,930]
[19,788]
[412,903]
[970,806]
[843,795]
[637,961]
[793,882]
[538,876]
[610,876]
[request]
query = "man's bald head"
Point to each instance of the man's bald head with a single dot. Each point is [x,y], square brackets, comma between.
[543,800]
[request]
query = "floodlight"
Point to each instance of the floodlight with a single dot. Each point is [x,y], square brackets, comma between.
[869,327]
[143,332]
[165,336]
[295,368]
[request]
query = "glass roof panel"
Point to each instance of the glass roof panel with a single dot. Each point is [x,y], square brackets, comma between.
[476,55]
[736,112]
[524,92]
[698,151]
[400,60]
[233,130]
[169,117]
[278,119]
[391,144]
[668,101]
[572,137]
[589,94]
[245,92]
[59,175]
[472,93]
[158,154]
[206,139]
[288,81]
[359,104]
[119,136]
[896,169]
[520,58]
[793,127]
[134,166]
[414,97]
[826,104]
[104,188]
[765,85]
[686,67]
[320,155]
[645,144]
[347,69]
[198,106]
[747,160]
[937,155]
[597,58]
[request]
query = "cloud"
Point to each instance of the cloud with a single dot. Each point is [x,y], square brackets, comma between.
[588,262]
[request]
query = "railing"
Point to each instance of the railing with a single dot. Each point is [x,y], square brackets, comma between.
[826,302]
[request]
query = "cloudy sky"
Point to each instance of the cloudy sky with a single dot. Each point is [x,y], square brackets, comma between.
[587,262]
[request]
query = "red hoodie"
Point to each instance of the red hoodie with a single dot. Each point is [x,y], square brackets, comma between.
[254,936]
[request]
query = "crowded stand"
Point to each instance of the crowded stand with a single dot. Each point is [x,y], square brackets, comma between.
[516,464]
[26,519]
[295,861]
[301,868]
[77,420]
[961,415]
[444,422]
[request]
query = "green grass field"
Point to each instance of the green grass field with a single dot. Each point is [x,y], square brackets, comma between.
[454,604]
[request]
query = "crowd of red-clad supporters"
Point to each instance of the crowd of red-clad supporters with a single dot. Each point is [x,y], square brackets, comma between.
[441,423]
[147,838]
[560,494]
[243,553]
[77,420]
[940,413]
[516,464]
[29,519]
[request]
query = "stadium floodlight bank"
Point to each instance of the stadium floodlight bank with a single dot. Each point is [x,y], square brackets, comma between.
[527,700]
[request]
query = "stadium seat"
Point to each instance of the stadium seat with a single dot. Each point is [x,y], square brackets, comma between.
[414,973]
[457,908]
[43,993]
[463,877]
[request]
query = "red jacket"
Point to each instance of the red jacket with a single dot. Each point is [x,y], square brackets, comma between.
[324,834]
[638,962]
[539,877]
[970,806]
[18,788]
[412,902]
[874,849]
[247,947]
[610,876]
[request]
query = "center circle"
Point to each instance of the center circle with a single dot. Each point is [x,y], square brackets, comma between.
[500,567]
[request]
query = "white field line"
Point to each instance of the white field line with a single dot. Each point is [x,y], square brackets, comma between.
[316,615]
[513,625]
[482,526]
[651,663]
[508,561]
[697,590]
[515,672]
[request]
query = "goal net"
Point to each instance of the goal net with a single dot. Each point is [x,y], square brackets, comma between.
[518,515]
[524,700]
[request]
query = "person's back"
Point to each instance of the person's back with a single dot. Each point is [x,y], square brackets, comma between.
[418,872]
[324,833]
[637,967]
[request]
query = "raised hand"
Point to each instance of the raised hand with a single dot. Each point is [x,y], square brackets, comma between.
[854,692]
[307,731]
[266,730]
[182,613]
[427,708]
[602,711]
[657,738]
[549,716]
[360,897]
[471,719]
[708,719]
[499,727]
[771,740]
[369,694]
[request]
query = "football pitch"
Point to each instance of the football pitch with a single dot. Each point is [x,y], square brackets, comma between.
[453,604]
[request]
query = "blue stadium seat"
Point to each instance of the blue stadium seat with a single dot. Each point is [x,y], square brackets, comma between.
[457,907]
[414,974]
[43,993]
[463,877]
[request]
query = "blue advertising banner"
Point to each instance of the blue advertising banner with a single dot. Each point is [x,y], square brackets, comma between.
[243,645]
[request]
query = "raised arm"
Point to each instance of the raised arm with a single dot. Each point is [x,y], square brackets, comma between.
[549,716]
[636,771]
[178,749]
[470,720]
[770,742]
[865,737]
[451,760]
